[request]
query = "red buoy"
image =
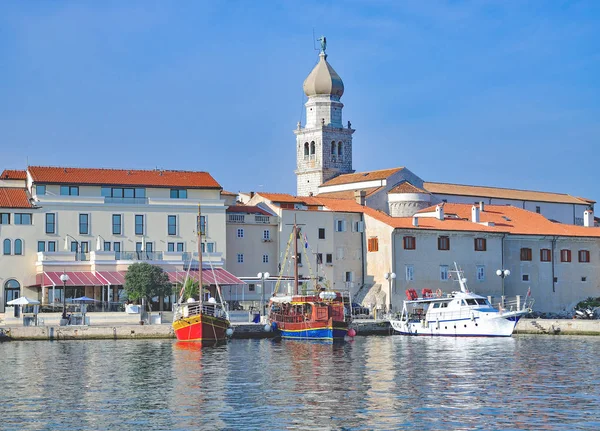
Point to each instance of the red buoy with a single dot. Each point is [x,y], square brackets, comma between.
[351,332]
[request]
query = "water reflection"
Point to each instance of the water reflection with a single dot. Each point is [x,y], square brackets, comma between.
[546,383]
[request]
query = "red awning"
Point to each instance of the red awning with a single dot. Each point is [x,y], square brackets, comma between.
[219,276]
[76,278]
[114,278]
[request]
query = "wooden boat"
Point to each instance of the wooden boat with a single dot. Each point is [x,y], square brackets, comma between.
[317,315]
[201,321]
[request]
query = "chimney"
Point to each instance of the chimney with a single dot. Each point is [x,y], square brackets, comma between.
[588,218]
[251,195]
[475,212]
[415,221]
[360,196]
[481,206]
[439,212]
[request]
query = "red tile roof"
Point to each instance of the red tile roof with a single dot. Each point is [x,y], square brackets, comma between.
[226,193]
[406,187]
[14,198]
[358,177]
[10,174]
[500,193]
[123,177]
[349,194]
[281,198]
[247,209]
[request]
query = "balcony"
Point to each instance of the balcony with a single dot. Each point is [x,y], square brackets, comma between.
[139,255]
[236,218]
[126,201]
[261,219]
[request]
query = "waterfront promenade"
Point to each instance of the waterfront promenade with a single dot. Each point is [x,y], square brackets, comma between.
[364,327]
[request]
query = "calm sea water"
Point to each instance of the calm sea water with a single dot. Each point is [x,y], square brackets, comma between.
[373,383]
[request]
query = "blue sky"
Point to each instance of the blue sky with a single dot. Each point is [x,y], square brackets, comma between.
[497,93]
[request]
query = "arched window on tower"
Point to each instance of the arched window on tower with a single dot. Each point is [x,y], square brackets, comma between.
[340,150]
[312,150]
[6,246]
[306,150]
[18,247]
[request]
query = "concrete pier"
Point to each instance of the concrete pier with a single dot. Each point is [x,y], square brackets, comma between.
[363,327]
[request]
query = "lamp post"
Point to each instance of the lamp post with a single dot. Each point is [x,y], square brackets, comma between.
[503,273]
[262,276]
[77,248]
[390,276]
[64,277]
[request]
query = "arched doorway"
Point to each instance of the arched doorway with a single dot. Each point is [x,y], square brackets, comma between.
[12,290]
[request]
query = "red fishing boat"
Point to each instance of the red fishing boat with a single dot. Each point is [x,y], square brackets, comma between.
[198,320]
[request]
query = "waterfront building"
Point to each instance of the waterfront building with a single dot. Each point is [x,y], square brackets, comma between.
[94,223]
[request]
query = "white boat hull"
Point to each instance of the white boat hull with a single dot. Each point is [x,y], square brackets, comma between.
[497,326]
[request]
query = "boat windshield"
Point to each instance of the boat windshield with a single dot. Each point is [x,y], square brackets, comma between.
[482,301]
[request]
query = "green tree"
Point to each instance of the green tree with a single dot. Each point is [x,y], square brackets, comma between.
[146,281]
[190,290]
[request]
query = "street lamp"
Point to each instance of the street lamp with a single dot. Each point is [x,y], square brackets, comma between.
[390,276]
[77,245]
[263,276]
[64,277]
[503,273]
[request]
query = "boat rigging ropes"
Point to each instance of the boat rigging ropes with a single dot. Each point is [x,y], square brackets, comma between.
[282,268]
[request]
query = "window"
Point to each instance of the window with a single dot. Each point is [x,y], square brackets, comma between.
[106,246]
[410,272]
[319,258]
[123,192]
[349,276]
[69,190]
[84,225]
[117,249]
[201,224]
[329,258]
[339,255]
[265,258]
[74,246]
[18,247]
[480,244]
[251,287]
[52,246]
[240,233]
[171,246]
[312,148]
[340,150]
[40,189]
[525,254]
[180,247]
[266,235]
[210,247]
[240,258]
[565,255]
[340,225]
[583,279]
[4,218]
[306,150]
[321,233]
[373,244]
[7,247]
[443,243]
[172,225]
[545,255]
[584,256]
[23,218]
[139,224]
[538,209]
[116,224]
[480,273]
[50,223]
[41,246]
[410,243]
[178,194]
[299,257]
[444,272]
[525,277]
[333,148]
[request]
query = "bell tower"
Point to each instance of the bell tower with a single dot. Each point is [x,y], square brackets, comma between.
[323,145]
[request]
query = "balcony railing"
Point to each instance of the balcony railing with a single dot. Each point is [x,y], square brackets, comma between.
[261,219]
[138,255]
[236,218]
[127,201]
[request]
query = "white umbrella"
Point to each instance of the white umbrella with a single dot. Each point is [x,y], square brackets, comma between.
[23,300]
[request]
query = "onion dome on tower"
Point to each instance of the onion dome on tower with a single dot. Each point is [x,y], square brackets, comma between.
[323,80]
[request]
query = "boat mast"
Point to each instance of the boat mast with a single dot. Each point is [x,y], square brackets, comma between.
[295,256]
[199,233]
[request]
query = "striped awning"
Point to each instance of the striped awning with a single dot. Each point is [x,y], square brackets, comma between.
[114,278]
[76,278]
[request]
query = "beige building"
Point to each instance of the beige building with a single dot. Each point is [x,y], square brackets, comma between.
[94,223]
